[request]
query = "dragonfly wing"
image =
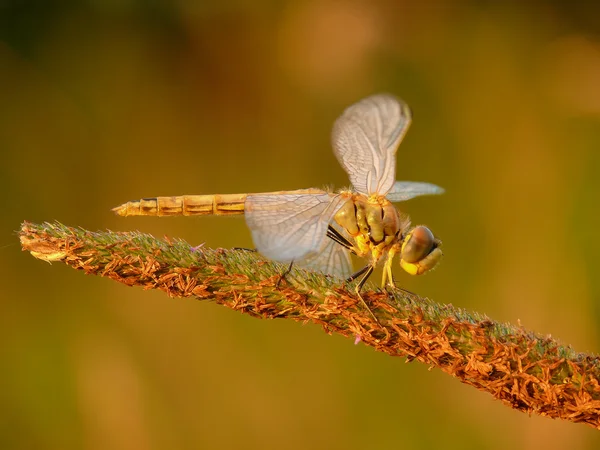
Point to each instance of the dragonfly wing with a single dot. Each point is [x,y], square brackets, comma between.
[332,259]
[365,139]
[405,190]
[291,226]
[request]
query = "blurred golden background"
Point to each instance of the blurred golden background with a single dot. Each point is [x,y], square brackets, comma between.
[108,101]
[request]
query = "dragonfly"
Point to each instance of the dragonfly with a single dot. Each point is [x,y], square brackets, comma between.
[319,229]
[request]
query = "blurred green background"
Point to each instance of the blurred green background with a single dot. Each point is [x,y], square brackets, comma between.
[108,101]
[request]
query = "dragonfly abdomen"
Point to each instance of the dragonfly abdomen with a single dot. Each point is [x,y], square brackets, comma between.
[185,205]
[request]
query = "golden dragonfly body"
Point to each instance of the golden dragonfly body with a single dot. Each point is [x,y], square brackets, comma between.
[319,229]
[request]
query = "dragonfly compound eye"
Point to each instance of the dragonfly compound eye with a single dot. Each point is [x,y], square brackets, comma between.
[420,251]
[417,245]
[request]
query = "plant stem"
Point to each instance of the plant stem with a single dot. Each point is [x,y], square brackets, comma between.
[526,371]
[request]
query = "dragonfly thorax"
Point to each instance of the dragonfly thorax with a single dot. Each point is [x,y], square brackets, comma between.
[373,222]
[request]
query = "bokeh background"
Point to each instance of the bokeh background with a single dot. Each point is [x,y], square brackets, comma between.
[107,101]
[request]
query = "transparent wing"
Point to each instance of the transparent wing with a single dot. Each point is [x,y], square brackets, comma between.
[332,259]
[291,226]
[405,190]
[365,139]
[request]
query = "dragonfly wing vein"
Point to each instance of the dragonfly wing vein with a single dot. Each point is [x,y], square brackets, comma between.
[365,139]
[293,226]
[332,259]
[405,190]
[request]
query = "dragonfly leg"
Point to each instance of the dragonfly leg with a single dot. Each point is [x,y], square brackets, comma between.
[354,276]
[337,237]
[284,274]
[406,291]
[367,271]
[388,278]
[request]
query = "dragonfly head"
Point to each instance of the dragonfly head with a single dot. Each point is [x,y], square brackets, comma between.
[420,251]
